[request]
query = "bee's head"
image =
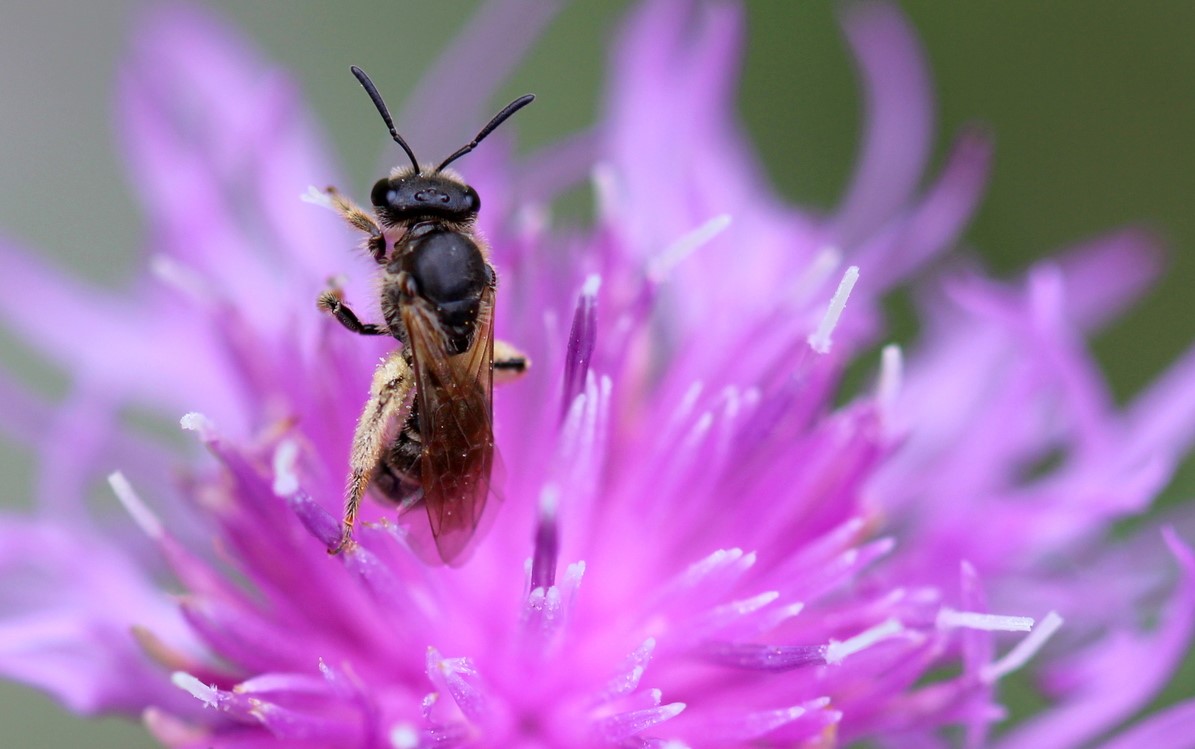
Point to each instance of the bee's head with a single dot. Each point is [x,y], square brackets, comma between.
[412,194]
[408,196]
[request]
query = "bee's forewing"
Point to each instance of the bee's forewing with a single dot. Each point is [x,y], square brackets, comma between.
[455,423]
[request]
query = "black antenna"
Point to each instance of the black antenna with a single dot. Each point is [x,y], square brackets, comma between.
[372,90]
[499,118]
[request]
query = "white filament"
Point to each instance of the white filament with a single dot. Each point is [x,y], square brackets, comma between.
[837,651]
[286,481]
[316,196]
[949,619]
[891,376]
[532,220]
[180,277]
[197,422]
[142,515]
[1024,650]
[606,190]
[824,263]
[194,687]
[593,283]
[549,500]
[572,576]
[404,736]
[819,340]
[661,265]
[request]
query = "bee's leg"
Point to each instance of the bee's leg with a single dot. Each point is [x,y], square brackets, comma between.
[332,302]
[390,399]
[509,363]
[359,219]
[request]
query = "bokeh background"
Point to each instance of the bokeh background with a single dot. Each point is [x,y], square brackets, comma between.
[1092,104]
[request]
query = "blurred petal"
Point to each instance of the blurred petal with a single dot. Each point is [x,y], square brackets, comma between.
[897,118]
[69,604]
[1092,685]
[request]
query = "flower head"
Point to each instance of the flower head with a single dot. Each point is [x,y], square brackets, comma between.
[704,538]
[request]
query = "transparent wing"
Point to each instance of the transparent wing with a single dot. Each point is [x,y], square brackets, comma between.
[455,423]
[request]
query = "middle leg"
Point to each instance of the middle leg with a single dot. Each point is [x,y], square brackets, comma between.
[332,302]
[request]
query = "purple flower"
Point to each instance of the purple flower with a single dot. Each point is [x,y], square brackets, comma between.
[705,537]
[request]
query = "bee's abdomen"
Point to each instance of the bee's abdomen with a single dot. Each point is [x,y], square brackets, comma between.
[397,476]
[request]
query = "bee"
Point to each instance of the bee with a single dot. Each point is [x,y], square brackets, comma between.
[425,437]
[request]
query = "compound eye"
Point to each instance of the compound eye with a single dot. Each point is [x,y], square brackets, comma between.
[471,201]
[382,193]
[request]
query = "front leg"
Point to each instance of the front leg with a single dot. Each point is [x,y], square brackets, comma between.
[332,302]
[358,219]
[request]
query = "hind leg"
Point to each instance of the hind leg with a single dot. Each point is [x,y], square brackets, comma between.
[390,398]
[509,363]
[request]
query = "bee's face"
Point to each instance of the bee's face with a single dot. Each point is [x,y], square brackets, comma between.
[411,197]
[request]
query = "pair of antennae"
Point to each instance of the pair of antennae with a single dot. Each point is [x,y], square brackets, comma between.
[498,119]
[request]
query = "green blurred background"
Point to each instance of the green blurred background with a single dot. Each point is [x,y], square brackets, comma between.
[1092,104]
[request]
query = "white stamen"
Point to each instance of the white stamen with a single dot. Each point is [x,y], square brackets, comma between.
[531,220]
[891,375]
[819,340]
[573,574]
[716,561]
[950,619]
[747,605]
[535,600]
[404,736]
[550,603]
[824,263]
[316,196]
[286,481]
[179,277]
[680,414]
[195,688]
[593,282]
[700,428]
[779,615]
[197,422]
[721,616]
[606,191]
[1024,650]
[661,265]
[142,515]
[627,682]
[836,651]
[549,500]
[571,582]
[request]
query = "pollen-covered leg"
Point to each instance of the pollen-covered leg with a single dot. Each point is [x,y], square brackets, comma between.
[359,219]
[332,301]
[390,399]
[509,363]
